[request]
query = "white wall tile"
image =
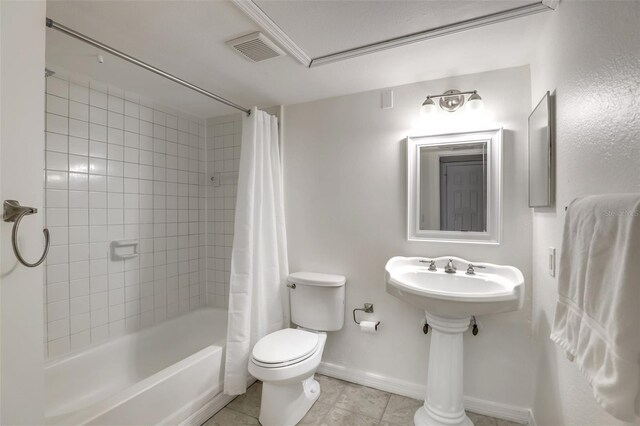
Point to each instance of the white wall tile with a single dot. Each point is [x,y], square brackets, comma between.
[98,115]
[97,149]
[97,132]
[97,183]
[97,166]
[57,87]
[114,177]
[79,111]
[116,104]
[78,146]
[58,347]
[78,181]
[78,199]
[56,142]
[78,163]
[56,161]
[98,99]
[78,93]
[57,124]
[78,128]
[57,105]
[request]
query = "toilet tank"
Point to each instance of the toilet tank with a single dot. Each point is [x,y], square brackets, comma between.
[317,300]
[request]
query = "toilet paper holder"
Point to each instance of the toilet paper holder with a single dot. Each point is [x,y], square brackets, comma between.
[368,308]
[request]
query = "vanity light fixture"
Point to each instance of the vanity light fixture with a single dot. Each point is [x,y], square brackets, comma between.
[451,101]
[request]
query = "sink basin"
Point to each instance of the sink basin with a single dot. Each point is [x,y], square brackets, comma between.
[449,300]
[492,289]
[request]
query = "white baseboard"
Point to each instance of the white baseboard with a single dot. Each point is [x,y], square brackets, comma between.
[211,407]
[417,391]
[497,410]
[372,380]
[532,419]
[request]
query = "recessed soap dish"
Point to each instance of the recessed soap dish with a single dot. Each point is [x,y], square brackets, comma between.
[124,249]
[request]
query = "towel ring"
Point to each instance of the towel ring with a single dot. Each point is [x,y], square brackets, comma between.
[14,212]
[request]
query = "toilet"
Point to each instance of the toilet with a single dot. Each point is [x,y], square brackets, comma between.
[286,360]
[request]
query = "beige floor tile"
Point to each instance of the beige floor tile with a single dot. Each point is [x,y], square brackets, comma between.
[340,417]
[248,403]
[400,410]
[315,415]
[330,389]
[228,417]
[500,422]
[340,404]
[363,400]
[480,420]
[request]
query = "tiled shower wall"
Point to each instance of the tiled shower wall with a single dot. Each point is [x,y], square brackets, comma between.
[223,160]
[120,167]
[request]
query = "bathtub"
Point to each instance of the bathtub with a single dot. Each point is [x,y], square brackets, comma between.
[170,373]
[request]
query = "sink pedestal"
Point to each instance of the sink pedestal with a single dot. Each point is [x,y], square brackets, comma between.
[443,404]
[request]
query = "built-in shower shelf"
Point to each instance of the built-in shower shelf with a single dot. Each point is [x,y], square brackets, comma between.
[124,249]
[218,178]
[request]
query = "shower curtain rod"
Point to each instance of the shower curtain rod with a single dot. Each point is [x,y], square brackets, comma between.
[57,26]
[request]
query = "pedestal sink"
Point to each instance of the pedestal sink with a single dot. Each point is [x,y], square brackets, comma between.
[450,298]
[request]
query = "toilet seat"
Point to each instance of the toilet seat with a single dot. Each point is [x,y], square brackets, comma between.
[284,347]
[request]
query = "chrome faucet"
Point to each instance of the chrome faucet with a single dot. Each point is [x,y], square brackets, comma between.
[470,269]
[432,264]
[450,268]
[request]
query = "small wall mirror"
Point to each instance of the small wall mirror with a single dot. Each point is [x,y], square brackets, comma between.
[454,187]
[540,151]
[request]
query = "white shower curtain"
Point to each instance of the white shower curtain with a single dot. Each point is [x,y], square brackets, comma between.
[259,264]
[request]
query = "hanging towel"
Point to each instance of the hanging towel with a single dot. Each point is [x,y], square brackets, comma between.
[597,320]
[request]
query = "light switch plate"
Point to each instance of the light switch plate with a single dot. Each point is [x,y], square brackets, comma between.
[552,261]
[387,99]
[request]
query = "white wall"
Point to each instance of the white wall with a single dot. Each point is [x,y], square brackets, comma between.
[589,54]
[22,44]
[119,167]
[345,186]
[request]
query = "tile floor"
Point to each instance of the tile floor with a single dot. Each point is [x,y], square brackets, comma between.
[340,404]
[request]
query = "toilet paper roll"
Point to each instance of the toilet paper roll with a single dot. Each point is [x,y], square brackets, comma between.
[368,326]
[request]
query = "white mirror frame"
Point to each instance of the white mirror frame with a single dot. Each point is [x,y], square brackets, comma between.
[493,235]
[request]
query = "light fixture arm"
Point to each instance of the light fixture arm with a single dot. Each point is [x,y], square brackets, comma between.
[451,100]
[470,92]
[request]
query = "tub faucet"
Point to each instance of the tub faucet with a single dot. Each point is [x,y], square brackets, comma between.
[450,268]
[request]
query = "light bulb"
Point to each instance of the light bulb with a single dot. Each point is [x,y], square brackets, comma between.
[428,107]
[475,102]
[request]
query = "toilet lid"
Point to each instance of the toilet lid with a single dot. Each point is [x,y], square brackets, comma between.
[285,345]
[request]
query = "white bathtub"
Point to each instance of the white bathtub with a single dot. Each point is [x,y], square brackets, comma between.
[161,375]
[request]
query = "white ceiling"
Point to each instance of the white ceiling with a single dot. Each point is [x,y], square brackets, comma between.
[186,38]
[324,27]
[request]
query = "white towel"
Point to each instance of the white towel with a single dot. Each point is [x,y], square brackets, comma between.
[597,319]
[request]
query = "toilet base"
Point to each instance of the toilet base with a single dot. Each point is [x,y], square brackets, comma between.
[287,404]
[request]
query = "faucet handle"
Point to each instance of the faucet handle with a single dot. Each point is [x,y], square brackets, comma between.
[470,269]
[432,264]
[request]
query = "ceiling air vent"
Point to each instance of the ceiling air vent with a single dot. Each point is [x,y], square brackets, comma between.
[256,47]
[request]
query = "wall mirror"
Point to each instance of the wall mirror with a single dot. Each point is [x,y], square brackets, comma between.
[454,187]
[540,151]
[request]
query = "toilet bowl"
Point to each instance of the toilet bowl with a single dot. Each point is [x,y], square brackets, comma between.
[286,360]
[288,387]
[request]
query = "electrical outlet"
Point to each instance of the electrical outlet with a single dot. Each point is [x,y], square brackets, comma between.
[552,261]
